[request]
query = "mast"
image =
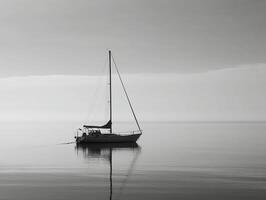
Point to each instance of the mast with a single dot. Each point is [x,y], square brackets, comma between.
[110,88]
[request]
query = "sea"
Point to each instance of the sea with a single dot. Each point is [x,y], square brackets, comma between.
[171,160]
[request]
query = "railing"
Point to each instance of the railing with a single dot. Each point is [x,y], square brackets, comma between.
[128,132]
[120,133]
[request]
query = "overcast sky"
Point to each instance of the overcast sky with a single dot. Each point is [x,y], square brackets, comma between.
[43,37]
[180,59]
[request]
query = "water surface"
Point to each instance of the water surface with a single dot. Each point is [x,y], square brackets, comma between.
[171,161]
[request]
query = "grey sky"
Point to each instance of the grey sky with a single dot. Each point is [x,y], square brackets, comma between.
[222,95]
[41,37]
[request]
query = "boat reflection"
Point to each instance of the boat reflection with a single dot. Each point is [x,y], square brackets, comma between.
[105,151]
[95,150]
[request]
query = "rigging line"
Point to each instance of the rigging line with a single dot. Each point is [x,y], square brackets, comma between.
[128,100]
[95,93]
[129,172]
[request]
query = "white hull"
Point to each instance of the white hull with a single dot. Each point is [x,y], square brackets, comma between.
[108,138]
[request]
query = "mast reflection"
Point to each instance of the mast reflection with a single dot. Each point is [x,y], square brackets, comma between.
[105,151]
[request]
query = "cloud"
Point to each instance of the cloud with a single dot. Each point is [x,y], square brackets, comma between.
[227,95]
[44,37]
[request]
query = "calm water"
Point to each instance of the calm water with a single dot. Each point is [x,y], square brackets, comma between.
[171,161]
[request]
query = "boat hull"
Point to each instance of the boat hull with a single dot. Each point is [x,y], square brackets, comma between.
[108,138]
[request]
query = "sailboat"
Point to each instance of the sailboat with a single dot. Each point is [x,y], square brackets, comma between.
[94,134]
